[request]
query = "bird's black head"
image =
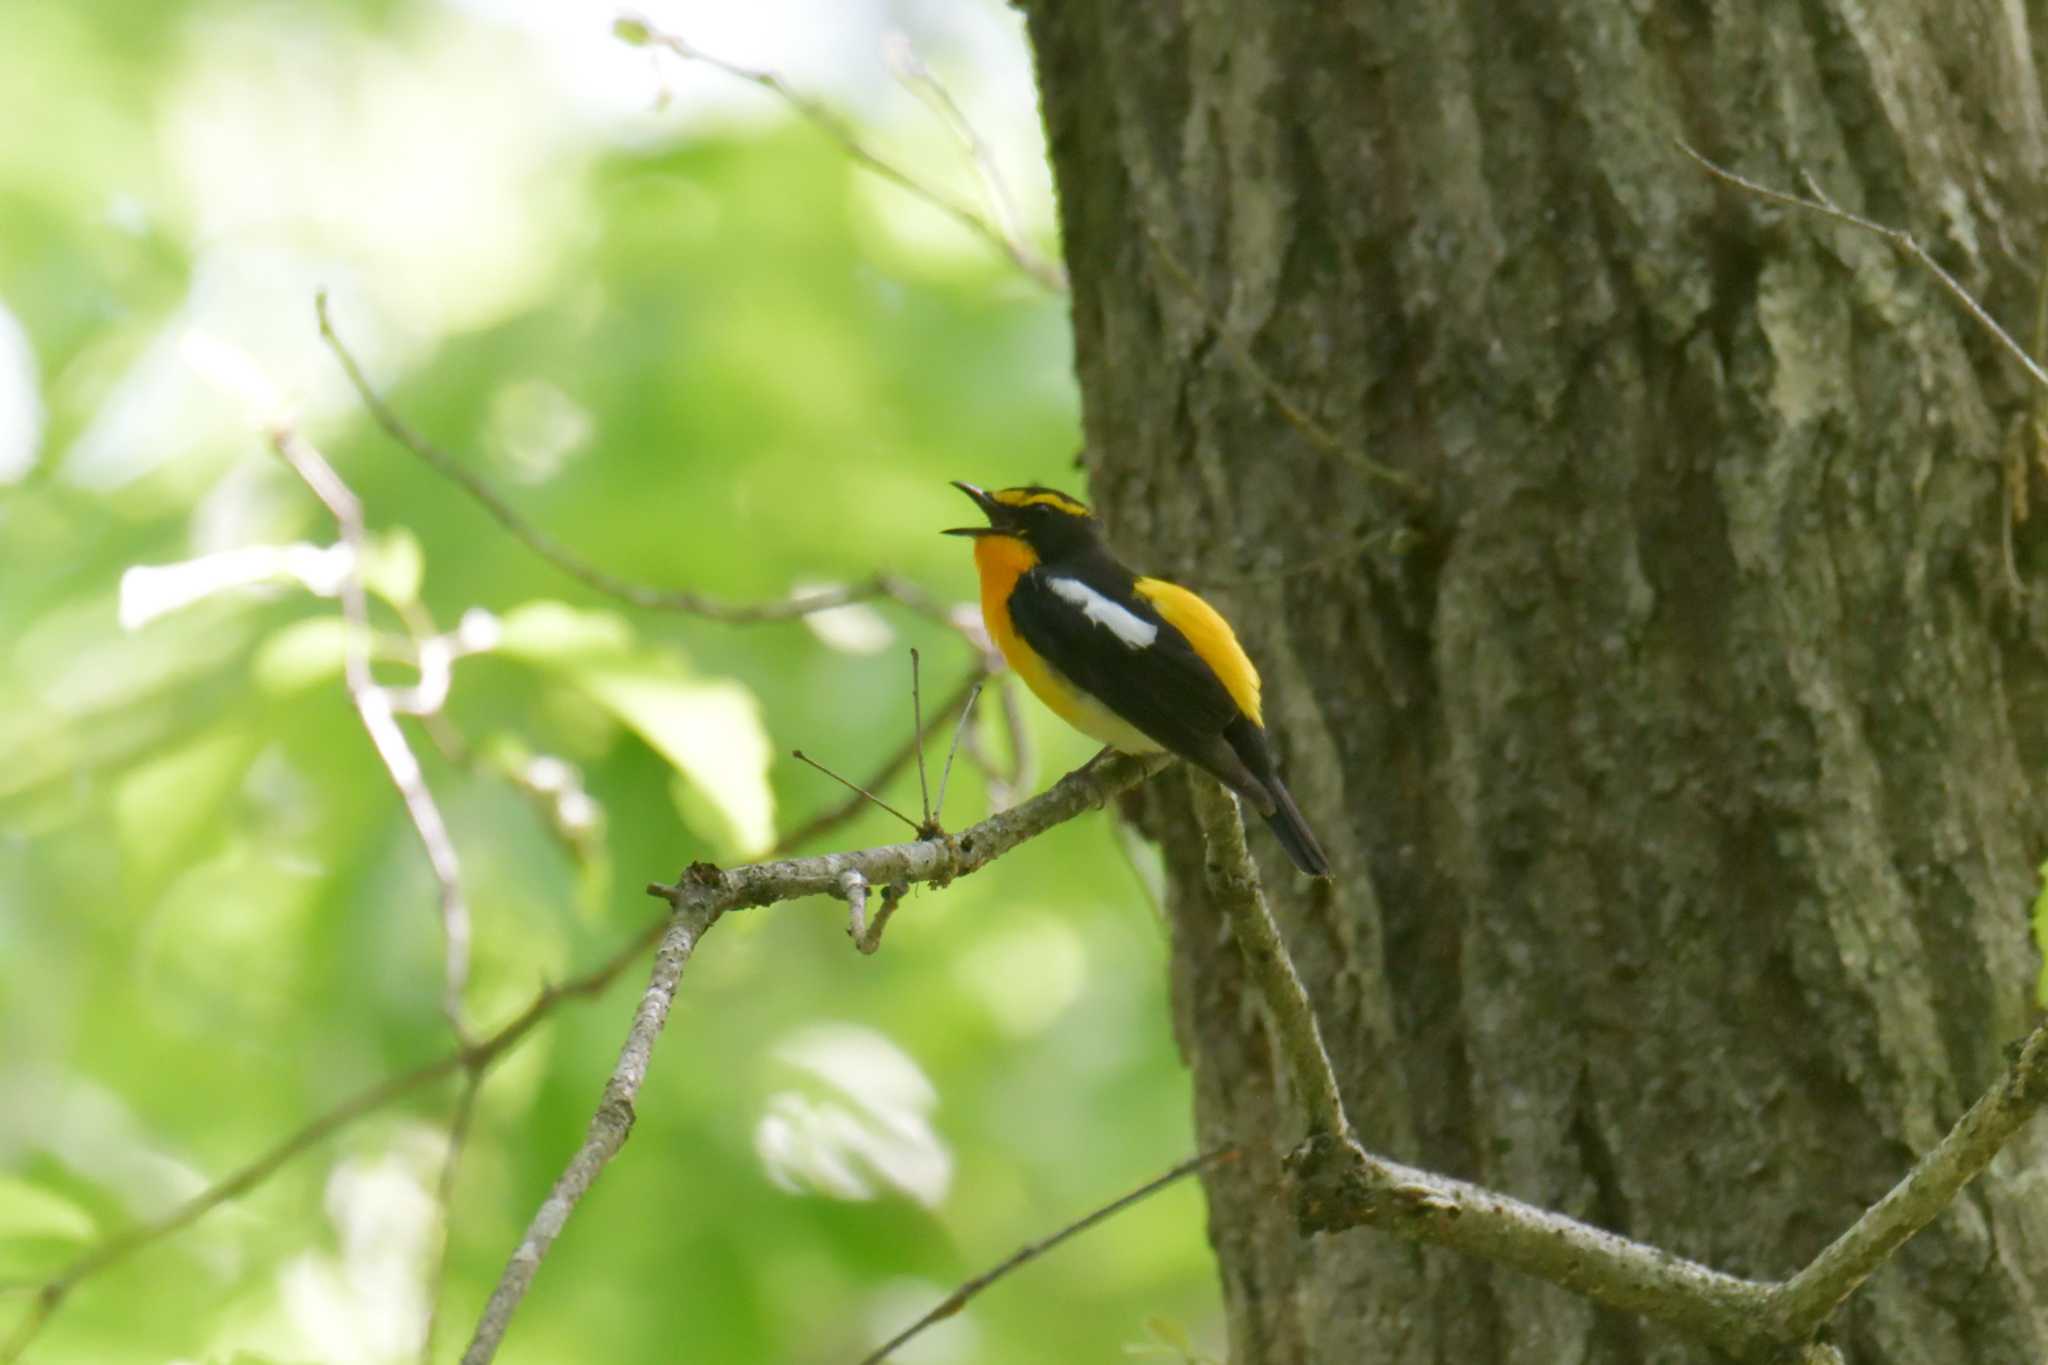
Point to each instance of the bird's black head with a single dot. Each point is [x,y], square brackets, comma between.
[1054,525]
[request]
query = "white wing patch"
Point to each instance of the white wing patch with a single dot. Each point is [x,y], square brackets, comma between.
[1129,627]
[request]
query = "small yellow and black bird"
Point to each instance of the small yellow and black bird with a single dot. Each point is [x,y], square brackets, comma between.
[1137,663]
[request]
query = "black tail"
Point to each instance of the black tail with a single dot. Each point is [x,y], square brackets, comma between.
[1292,831]
[1242,758]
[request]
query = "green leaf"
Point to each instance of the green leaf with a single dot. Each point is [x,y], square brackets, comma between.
[393,567]
[31,1212]
[550,632]
[301,654]
[709,730]
[167,809]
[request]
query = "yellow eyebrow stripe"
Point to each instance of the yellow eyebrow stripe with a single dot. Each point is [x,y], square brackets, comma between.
[1020,497]
[1211,636]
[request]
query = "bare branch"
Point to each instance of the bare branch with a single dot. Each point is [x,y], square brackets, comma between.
[1234,883]
[475,1058]
[700,897]
[861,792]
[868,937]
[378,709]
[829,819]
[1819,203]
[953,750]
[924,790]
[936,861]
[957,1300]
[854,887]
[607,1132]
[1800,1305]
[887,586]
[639,32]
[1341,1185]
[1004,780]
[1296,416]
[921,82]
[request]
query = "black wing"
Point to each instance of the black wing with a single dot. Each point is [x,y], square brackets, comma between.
[1163,688]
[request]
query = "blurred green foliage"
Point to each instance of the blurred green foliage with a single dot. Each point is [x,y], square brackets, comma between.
[707,354]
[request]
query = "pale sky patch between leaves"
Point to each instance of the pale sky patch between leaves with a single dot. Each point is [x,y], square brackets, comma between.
[293,185]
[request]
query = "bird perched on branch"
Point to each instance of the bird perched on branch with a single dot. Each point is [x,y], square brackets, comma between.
[1137,663]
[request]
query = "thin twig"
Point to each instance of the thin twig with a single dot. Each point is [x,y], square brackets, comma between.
[1022,773]
[854,888]
[1800,1305]
[866,936]
[887,586]
[831,818]
[1005,780]
[1234,882]
[924,790]
[800,756]
[475,1058]
[607,1131]
[639,32]
[699,898]
[957,1300]
[1827,208]
[946,773]
[1296,416]
[920,80]
[376,706]
[444,1202]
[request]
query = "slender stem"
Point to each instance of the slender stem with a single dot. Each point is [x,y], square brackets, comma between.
[444,1202]
[1031,1251]
[607,1132]
[868,936]
[1800,1305]
[1819,203]
[924,790]
[640,32]
[800,756]
[1293,413]
[699,898]
[476,1058]
[1234,884]
[921,82]
[376,706]
[946,774]
[569,562]
[829,819]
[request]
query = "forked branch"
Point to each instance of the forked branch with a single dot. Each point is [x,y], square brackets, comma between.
[1341,1185]
[704,893]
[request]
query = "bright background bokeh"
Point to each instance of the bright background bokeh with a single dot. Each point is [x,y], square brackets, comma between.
[688,337]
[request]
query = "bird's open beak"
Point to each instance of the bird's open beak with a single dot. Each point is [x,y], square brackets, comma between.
[981,500]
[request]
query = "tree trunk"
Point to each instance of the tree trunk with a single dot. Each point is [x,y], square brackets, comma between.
[1679,751]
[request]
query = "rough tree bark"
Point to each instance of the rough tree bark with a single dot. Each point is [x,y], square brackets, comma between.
[1681,755]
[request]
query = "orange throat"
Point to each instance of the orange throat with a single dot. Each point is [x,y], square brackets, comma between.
[1001,561]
